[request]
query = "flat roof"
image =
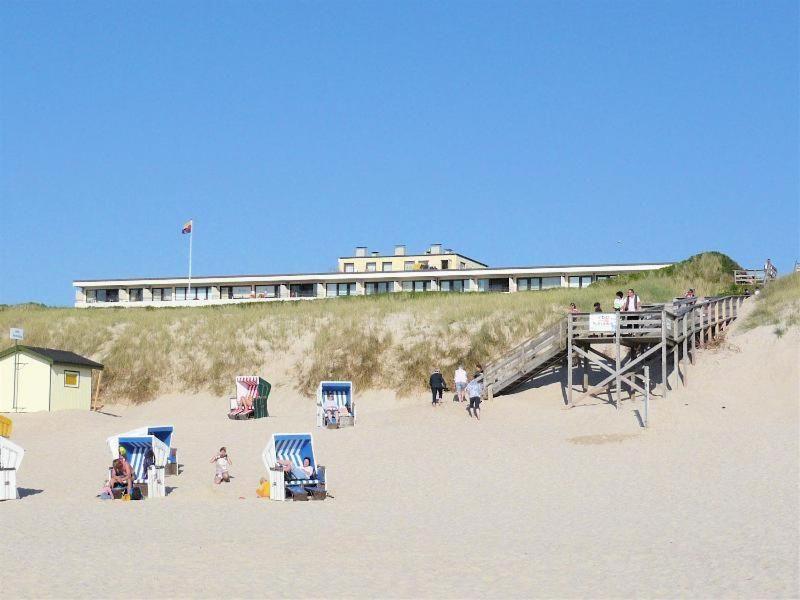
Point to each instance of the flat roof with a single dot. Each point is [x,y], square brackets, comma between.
[452,253]
[378,274]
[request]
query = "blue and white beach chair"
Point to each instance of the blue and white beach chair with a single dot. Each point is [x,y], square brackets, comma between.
[162,432]
[343,394]
[294,447]
[10,459]
[144,471]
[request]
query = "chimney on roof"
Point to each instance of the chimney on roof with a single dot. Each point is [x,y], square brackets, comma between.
[375,253]
[400,250]
[361,250]
[436,249]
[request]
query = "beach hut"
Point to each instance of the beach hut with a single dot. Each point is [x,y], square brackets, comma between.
[10,459]
[36,379]
[162,432]
[342,392]
[293,447]
[137,448]
[250,390]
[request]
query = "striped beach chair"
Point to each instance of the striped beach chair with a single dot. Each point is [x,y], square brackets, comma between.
[343,394]
[136,449]
[10,460]
[257,391]
[162,432]
[293,447]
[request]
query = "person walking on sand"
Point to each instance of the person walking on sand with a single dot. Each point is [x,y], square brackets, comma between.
[437,387]
[223,462]
[597,307]
[573,308]
[474,391]
[460,380]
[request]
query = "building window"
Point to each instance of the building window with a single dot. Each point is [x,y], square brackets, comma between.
[340,289]
[108,295]
[551,282]
[445,265]
[386,266]
[493,285]
[268,291]
[180,293]
[301,290]
[379,287]
[135,294]
[408,286]
[199,293]
[72,379]
[162,294]
[242,291]
[91,295]
[462,265]
[603,277]
[371,267]
[453,285]
[408,265]
[422,286]
[580,281]
[349,267]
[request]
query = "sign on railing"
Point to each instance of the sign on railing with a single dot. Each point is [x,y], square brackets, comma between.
[603,322]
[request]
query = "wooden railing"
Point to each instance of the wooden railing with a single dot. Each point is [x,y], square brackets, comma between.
[525,358]
[685,321]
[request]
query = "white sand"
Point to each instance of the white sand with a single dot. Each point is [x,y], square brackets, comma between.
[533,501]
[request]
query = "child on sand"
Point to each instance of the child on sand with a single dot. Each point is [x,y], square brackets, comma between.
[223,462]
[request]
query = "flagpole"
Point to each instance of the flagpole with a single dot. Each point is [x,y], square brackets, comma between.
[191,235]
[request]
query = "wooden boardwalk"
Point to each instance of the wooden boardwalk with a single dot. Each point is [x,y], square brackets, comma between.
[619,345]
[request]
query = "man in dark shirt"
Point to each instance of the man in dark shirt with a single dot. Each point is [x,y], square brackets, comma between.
[437,387]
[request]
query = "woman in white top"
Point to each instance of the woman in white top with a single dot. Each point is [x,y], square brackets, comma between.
[223,462]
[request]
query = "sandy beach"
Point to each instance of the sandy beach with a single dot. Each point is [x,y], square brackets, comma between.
[533,501]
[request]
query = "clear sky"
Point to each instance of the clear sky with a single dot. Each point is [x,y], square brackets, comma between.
[520,133]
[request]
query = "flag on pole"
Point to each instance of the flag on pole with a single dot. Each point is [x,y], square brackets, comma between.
[187,227]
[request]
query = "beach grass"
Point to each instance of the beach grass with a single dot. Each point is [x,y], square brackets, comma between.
[777,306]
[385,341]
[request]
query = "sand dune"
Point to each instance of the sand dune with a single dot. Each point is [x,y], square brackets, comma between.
[533,501]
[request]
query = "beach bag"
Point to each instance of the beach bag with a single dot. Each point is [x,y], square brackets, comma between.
[136,494]
[262,491]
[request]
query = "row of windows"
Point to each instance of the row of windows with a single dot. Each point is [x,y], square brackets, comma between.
[308,290]
[408,265]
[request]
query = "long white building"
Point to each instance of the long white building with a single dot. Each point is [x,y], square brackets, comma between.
[365,273]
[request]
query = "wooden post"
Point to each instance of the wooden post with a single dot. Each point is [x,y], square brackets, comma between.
[97,390]
[585,373]
[702,326]
[569,359]
[618,359]
[685,351]
[676,349]
[694,334]
[664,352]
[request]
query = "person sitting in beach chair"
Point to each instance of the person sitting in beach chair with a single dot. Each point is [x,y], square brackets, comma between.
[292,471]
[121,475]
[331,408]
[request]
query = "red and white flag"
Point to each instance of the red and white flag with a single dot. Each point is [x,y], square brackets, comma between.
[187,227]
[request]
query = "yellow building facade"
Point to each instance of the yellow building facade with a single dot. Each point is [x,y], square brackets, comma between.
[43,379]
[434,258]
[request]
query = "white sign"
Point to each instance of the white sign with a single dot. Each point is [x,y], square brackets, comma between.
[16,334]
[603,322]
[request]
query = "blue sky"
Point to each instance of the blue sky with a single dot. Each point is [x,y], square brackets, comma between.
[520,133]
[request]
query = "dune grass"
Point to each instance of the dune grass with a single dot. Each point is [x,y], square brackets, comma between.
[388,341]
[778,306]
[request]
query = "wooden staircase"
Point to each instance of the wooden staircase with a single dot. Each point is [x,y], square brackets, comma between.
[527,360]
